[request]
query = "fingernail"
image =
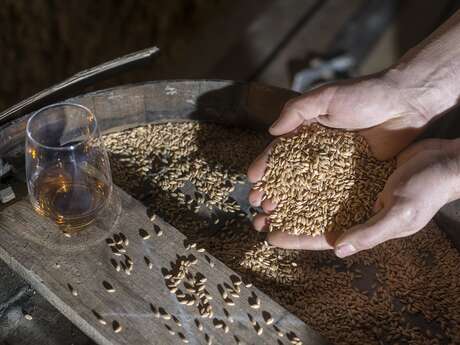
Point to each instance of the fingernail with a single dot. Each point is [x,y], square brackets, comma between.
[345,250]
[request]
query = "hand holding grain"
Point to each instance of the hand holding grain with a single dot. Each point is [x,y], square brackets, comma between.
[382,114]
[427,177]
[375,106]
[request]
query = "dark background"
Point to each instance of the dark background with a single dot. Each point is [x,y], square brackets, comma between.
[44,41]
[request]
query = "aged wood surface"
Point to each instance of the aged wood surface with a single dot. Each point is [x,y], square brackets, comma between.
[70,273]
[314,37]
[239,104]
[274,26]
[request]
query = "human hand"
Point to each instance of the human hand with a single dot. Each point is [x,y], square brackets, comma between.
[379,106]
[427,177]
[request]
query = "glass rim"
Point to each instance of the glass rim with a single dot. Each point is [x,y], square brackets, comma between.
[55,105]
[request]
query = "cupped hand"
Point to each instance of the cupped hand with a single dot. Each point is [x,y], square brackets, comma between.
[427,177]
[377,106]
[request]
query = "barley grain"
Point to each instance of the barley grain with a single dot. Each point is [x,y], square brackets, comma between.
[182,337]
[164,314]
[144,234]
[322,171]
[155,311]
[72,290]
[148,262]
[108,287]
[170,330]
[117,239]
[267,317]
[99,318]
[116,326]
[198,325]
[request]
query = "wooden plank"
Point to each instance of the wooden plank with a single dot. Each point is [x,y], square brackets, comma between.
[266,34]
[314,37]
[35,248]
[201,50]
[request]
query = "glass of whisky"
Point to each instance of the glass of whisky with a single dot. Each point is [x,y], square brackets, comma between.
[67,167]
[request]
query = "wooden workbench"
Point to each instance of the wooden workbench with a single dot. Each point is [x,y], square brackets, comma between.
[72,273]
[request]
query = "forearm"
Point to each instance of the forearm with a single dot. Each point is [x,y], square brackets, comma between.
[429,74]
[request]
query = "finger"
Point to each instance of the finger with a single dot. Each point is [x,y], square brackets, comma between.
[268,206]
[260,222]
[255,197]
[257,168]
[304,108]
[389,223]
[285,240]
[424,145]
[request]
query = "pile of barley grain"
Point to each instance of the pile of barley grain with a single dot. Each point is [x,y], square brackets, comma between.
[322,179]
[405,291]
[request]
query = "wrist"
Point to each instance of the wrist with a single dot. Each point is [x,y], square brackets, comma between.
[429,90]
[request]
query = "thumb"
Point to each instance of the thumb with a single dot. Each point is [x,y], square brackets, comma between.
[391,222]
[302,109]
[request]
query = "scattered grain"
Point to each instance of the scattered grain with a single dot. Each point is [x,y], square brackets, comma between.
[199,325]
[170,330]
[148,262]
[267,317]
[155,311]
[144,234]
[183,338]
[73,291]
[164,314]
[109,287]
[116,326]
[99,317]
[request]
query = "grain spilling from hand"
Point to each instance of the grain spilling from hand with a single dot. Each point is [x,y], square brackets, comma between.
[322,179]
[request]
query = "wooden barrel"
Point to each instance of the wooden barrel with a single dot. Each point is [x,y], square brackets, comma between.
[232,103]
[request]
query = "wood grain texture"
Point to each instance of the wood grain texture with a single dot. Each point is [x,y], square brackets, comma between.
[250,105]
[35,248]
[268,32]
[314,37]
